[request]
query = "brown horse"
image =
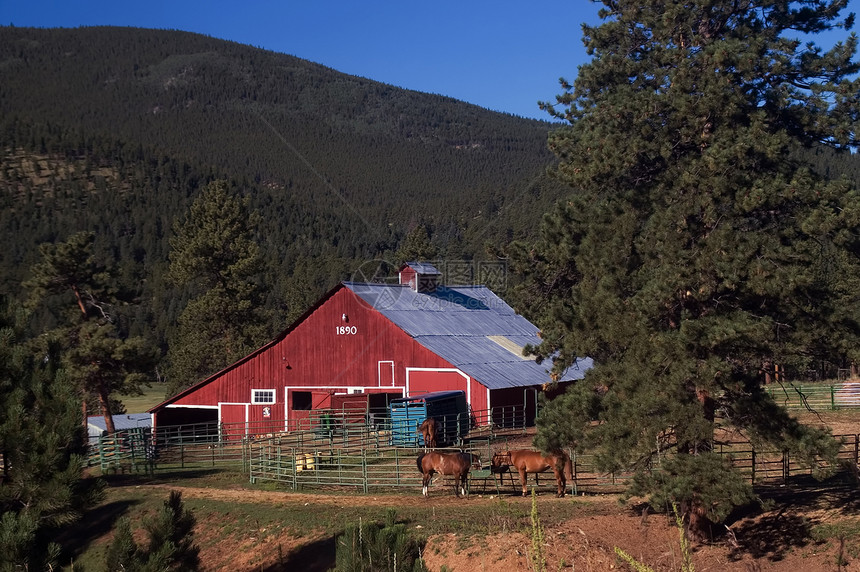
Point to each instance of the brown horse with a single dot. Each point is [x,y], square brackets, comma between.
[429,428]
[456,464]
[526,461]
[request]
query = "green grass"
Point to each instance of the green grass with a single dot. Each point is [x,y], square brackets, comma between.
[230,522]
[151,397]
[847,529]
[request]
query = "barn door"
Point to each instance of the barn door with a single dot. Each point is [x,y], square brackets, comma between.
[301,402]
[321,400]
[233,419]
[386,373]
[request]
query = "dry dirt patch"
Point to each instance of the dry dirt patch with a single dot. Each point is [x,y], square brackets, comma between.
[777,540]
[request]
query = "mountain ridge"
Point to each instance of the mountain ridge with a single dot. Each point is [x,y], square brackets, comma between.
[115,129]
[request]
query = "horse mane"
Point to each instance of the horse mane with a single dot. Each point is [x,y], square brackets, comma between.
[420,458]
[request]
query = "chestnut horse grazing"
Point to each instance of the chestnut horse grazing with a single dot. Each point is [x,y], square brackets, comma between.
[456,464]
[429,428]
[526,461]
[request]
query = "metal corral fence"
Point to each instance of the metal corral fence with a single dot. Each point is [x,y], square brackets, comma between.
[362,457]
[336,433]
[817,397]
[364,470]
[137,450]
[367,470]
[772,466]
[391,468]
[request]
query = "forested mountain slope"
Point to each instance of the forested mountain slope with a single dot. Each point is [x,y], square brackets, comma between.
[115,129]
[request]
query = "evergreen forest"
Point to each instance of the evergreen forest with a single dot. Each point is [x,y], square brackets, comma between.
[115,131]
[171,201]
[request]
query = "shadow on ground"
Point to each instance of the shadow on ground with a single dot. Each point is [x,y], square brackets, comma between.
[172,477]
[790,518]
[99,521]
[316,556]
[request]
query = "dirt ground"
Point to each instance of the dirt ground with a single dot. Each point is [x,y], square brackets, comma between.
[776,540]
[779,539]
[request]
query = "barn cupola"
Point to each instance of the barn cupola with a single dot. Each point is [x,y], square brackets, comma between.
[420,276]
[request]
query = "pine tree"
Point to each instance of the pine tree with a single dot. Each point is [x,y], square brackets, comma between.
[123,552]
[416,246]
[696,253]
[70,266]
[170,544]
[370,547]
[43,450]
[98,357]
[214,255]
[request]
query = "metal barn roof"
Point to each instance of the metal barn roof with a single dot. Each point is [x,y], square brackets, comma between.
[470,327]
[422,268]
[121,421]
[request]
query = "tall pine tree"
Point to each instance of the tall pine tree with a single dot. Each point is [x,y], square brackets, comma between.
[42,450]
[215,256]
[416,246]
[696,253]
[99,357]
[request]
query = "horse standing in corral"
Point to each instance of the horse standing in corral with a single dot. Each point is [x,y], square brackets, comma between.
[429,428]
[527,461]
[456,464]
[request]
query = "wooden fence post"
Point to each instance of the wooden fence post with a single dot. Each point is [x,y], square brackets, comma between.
[856,450]
[752,450]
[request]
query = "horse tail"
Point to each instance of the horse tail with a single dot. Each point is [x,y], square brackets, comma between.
[418,462]
[563,463]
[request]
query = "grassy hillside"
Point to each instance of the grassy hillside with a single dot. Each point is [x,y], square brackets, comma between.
[152,396]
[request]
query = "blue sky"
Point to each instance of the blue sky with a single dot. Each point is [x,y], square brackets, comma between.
[504,55]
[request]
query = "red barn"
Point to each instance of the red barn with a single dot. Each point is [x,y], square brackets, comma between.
[382,340]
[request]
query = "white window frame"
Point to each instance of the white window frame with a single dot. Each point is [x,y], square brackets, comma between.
[255,397]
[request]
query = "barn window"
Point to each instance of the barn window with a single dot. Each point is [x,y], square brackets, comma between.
[302,400]
[259,396]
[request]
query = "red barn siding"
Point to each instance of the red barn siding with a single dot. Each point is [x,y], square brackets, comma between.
[233,416]
[406,275]
[423,380]
[479,398]
[426,380]
[342,344]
